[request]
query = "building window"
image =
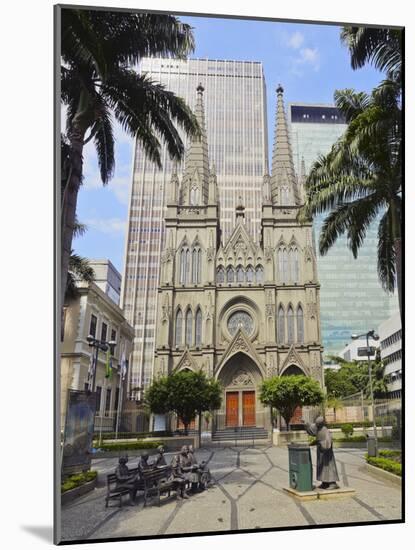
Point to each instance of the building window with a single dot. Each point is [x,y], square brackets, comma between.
[113,335]
[194,196]
[184,265]
[98,401]
[196,265]
[259,274]
[116,402]
[293,264]
[230,275]
[249,274]
[179,324]
[283,264]
[198,331]
[63,321]
[240,274]
[108,402]
[281,325]
[300,325]
[189,331]
[290,325]
[93,325]
[104,330]
[220,275]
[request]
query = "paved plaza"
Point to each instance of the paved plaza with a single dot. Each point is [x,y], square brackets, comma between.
[247,494]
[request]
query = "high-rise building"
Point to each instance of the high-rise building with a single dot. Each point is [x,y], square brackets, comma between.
[352,299]
[237,136]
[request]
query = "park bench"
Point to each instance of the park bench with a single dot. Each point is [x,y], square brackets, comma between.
[117,492]
[156,482]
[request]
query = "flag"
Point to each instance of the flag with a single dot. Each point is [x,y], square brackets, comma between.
[108,365]
[123,366]
[91,370]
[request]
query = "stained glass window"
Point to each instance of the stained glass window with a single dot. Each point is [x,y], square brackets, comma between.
[240,319]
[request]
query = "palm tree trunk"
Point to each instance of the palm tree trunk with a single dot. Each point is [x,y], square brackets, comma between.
[69,206]
[398,255]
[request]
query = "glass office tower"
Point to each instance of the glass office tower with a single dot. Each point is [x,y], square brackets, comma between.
[235,114]
[351,297]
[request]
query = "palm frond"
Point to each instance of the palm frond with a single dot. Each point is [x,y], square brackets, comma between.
[145,109]
[103,136]
[353,219]
[381,47]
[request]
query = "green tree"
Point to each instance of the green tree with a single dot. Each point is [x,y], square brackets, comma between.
[78,269]
[353,377]
[361,177]
[98,85]
[185,393]
[286,393]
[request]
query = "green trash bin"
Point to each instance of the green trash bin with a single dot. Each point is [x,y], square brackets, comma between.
[300,467]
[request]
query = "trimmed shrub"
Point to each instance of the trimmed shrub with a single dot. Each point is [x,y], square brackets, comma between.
[130,435]
[77,480]
[385,464]
[127,445]
[347,429]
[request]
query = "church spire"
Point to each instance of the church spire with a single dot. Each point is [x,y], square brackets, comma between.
[284,190]
[195,184]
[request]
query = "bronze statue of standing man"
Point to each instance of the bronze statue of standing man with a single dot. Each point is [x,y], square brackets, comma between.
[326,463]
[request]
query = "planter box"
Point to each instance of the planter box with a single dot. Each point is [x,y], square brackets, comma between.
[72,494]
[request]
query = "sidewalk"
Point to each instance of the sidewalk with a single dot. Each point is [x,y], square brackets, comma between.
[247,494]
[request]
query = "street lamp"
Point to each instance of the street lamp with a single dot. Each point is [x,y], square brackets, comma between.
[374,336]
[99,345]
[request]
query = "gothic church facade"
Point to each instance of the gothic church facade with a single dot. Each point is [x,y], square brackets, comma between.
[240,310]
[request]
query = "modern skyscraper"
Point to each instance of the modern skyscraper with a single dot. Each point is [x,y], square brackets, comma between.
[351,299]
[237,136]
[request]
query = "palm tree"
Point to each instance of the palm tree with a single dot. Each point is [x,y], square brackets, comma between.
[360,179]
[381,47]
[78,268]
[98,85]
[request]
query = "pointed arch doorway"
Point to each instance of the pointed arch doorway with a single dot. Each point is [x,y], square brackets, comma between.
[241,379]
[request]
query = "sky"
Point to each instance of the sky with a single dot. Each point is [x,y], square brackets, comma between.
[307,59]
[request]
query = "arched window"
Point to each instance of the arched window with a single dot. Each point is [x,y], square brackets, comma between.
[184,265]
[249,274]
[290,325]
[293,261]
[198,331]
[259,274]
[189,328]
[179,328]
[281,325]
[296,267]
[300,325]
[230,275]
[280,265]
[194,196]
[240,274]
[220,275]
[196,267]
[284,265]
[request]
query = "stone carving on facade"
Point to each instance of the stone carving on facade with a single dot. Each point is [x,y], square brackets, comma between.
[312,310]
[268,253]
[240,345]
[210,254]
[242,378]
[272,370]
[165,310]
